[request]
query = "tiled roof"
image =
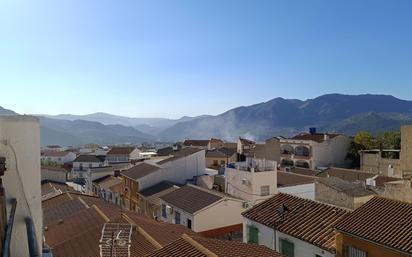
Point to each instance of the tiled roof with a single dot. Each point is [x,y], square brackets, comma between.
[76,231]
[346,174]
[196,142]
[286,179]
[349,188]
[246,141]
[382,221]
[190,198]
[51,186]
[317,137]
[216,140]
[180,154]
[193,246]
[165,151]
[304,171]
[221,152]
[153,194]
[120,150]
[306,220]
[88,158]
[108,181]
[53,168]
[381,180]
[52,153]
[140,170]
[159,187]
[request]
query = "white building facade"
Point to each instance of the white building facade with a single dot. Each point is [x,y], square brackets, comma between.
[252,181]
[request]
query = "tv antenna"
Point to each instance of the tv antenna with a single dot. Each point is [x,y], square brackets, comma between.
[115,240]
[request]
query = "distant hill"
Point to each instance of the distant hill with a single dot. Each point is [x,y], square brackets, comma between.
[110,119]
[6,111]
[332,113]
[79,132]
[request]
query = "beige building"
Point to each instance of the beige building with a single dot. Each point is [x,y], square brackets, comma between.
[381,162]
[314,150]
[245,147]
[205,211]
[252,181]
[217,158]
[149,198]
[270,150]
[338,192]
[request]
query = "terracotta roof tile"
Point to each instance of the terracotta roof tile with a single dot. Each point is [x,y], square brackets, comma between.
[317,137]
[186,246]
[88,158]
[195,142]
[286,179]
[190,198]
[120,150]
[346,174]
[140,170]
[180,154]
[383,221]
[306,220]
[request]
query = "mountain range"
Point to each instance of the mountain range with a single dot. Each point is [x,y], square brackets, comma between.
[332,113]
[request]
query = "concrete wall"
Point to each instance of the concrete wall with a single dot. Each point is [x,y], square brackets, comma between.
[374,163]
[178,171]
[332,196]
[250,192]
[223,214]
[406,150]
[53,175]
[269,151]
[399,190]
[302,248]
[266,235]
[305,191]
[20,144]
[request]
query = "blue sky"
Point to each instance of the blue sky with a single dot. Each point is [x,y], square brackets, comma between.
[172,58]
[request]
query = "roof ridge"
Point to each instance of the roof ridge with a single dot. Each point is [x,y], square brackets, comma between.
[198,246]
[149,238]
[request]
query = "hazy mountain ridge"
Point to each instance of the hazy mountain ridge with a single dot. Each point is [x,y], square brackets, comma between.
[333,113]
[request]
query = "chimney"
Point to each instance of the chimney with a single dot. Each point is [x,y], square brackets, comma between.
[325,137]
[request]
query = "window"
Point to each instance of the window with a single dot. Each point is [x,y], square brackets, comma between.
[264,190]
[164,215]
[354,252]
[189,223]
[215,162]
[252,235]
[287,248]
[177,217]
